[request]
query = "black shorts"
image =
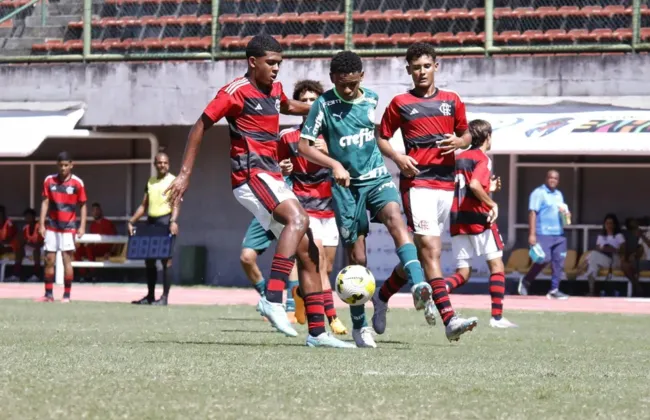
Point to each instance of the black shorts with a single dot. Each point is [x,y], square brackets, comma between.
[160,220]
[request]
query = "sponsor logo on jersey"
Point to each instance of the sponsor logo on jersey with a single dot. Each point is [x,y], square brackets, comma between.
[366,135]
[385,185]
[371,114]
[318,123]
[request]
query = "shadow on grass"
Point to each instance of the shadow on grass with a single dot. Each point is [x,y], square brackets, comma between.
[223,343]
[239,319]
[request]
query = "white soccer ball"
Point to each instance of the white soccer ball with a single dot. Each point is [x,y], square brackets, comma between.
[355,285]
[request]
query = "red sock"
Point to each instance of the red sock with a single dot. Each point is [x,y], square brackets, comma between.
[49,283]
[454,281]
[391,286]
[497,291]
[441,299]
[280,269]
[328,302]
[67,286]
[315,313]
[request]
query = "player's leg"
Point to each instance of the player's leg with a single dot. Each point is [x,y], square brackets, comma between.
[380,299]
[68,274]
[361,333]
[327,239]
[256,241]
[19,255]
[558,255]
[51,246]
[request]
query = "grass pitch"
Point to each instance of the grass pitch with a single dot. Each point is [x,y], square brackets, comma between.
[100,360]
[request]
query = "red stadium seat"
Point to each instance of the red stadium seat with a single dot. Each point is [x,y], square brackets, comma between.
[557,36]
[614,10]
[335,41]
[395,15]
[502,12]
[604,35]
[458,13]
[534,36]
[477,13]
[623,34]
[73,45]
[592,10]
[580,35]
[444,38]
[400,40]
[520,12]
[422,37]
[568,10]
[332,17]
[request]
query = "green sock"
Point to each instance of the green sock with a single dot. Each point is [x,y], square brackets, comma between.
[358,314]
[408,257]
[291,304]
[260,286]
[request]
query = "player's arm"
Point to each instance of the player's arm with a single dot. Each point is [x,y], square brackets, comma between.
[173,220]
[533,208]
[45,204]
[312,154]
[479,185]
[292,107]
[139,212]
[83,210]
[390,123]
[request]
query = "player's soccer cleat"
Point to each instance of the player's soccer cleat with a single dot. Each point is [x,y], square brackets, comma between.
[160,302]
[144,301]
[364,338]
[502,323]
[556,294]
[421,295]
[328,340]
[458,326]
[46,298]
[277,317]
[292,317]
[379,316]
[65,299]
[301,313]
[337,327]
[430,312]
[522,288]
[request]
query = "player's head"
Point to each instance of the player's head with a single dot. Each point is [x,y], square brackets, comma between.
[307,91]
[481,132]
[346,72]
[264,55]
[421,64]
[29,215]
[64,163]
[96,211]
[161,162]
[552,179]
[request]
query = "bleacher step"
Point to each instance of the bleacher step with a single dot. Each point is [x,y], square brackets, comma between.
[62,21]
[44,32]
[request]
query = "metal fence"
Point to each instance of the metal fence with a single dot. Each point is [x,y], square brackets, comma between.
[94,30]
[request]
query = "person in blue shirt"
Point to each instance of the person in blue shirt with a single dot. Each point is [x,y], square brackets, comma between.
[546,218]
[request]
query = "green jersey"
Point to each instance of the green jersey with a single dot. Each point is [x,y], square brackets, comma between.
[348,128]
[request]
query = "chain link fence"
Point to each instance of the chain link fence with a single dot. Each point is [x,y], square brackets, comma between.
[179,28]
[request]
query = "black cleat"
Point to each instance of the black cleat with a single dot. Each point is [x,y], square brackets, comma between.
[160,302]
[144,301]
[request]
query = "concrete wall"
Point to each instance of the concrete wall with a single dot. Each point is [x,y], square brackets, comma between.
[152,94]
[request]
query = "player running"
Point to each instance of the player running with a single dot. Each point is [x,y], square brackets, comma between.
[433,125]
[473,217]
[345,117]
[252,106]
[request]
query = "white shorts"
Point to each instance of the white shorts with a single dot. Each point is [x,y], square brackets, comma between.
[325,230]
[59,241]
[427,210]
[466,247]
[261,195]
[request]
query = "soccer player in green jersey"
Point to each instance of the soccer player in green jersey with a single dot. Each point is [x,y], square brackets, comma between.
[345,117]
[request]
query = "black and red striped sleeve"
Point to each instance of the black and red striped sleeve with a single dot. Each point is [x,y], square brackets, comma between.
[390,121]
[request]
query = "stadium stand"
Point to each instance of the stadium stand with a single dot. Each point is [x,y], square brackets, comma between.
[124,26]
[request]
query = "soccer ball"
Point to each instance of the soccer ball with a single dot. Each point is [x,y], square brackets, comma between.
[355,285]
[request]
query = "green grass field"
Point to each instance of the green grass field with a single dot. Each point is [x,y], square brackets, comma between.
[99,360]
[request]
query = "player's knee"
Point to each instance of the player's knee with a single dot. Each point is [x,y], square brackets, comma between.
[248,257]
[430,247]
[299,222]
[496,266]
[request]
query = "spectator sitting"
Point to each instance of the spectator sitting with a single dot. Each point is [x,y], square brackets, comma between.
[632,254]
[100,226]
[30,242]
[8,242]
[609,245]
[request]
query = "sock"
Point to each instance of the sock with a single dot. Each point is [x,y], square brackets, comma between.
[315,313]
[260,286]
[454,281]
[441,299]
[67,286]
[408,257]
[152,277]
[358,314]
[49,284]
[167,280]
[280,269]
[391,286]
[291,304]
[328,302]
[497,291]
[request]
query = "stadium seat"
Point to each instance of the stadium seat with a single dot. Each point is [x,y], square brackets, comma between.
[569,263]
[574,272]
[518,261]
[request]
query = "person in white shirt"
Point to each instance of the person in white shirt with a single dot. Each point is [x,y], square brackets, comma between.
[609,245]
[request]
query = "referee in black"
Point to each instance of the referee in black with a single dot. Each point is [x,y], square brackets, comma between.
[159,213]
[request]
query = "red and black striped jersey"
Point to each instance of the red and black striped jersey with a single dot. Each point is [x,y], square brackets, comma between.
[312,183]
[469,214]
[425,121]
[64,196]
[254,122]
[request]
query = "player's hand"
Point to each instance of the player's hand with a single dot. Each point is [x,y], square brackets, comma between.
[286,166]
[81,232]
[493,214]
[495,183]
[450,144]
[320,144]
[406,165]
[41,230]
[173,228]
[532,239]
[131,229]
[341,176]
[176,189]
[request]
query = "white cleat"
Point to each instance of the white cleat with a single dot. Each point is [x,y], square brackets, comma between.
[277,316]
[458,326]
[430,313]
[364,338]
[502,323]
[328,340]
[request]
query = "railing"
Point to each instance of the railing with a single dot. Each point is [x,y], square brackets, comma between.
[211,30]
